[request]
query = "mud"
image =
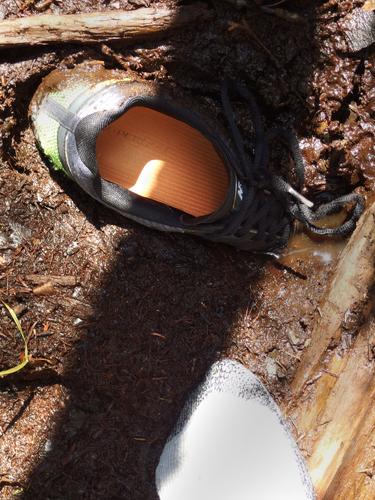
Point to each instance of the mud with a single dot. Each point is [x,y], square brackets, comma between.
[114,355]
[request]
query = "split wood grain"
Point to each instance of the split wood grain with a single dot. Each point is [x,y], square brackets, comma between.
[125,26]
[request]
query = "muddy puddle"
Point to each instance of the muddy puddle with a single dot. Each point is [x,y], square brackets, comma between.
[305,248]
[134,317]
[319,251]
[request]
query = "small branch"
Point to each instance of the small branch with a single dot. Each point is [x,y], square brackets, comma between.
[98,26]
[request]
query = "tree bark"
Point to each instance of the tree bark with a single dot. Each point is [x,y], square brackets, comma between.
[126,26]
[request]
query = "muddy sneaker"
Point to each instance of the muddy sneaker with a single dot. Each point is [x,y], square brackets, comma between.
[156,157]
[231,443]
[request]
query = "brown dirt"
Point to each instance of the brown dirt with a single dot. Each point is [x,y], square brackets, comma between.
[115,353]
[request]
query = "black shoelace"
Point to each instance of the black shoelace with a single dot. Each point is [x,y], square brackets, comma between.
[261,213]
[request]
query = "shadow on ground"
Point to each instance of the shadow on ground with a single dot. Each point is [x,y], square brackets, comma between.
[162,316]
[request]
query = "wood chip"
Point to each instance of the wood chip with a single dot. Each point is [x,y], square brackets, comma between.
[77,307]
[46,289]
[40,7]
[369,6]
[38,279]
[19,309]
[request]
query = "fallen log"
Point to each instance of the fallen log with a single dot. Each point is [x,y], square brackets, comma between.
[340,425]
[348,288]
[334,388]
[355,479]
[126,26]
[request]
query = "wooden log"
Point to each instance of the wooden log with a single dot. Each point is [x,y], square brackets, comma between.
[355,479]
[349,287]
[339,426]
[334,390]
[126,26]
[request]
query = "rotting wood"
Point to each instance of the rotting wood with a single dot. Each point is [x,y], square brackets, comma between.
[349,286]
[346,408]
[334,388]
[355,479]
[98,26]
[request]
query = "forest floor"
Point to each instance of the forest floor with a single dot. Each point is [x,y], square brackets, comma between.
[133,318]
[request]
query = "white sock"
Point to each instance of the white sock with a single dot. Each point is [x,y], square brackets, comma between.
[231,443]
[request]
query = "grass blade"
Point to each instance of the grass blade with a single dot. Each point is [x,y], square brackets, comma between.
[23,363]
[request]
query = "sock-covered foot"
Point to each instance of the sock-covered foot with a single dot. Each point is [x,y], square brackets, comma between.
[231,443]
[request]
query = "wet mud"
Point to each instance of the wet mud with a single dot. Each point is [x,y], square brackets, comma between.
[139,316]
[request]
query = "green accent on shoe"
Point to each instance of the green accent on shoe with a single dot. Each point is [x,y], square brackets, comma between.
[46,128]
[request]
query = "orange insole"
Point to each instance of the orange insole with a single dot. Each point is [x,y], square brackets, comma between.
[164,159]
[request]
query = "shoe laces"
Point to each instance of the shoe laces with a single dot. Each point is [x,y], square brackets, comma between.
[271,203]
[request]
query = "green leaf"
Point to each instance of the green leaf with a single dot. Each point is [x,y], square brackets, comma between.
[18,367]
